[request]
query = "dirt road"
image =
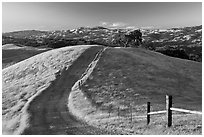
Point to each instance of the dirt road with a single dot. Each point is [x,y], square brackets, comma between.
[49,111]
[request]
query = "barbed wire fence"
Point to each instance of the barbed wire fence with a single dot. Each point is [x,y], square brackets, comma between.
[131,113]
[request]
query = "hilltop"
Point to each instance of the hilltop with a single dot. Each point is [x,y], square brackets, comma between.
[40,95]
[186,41]
[127,78]
[129,74]
[27,81]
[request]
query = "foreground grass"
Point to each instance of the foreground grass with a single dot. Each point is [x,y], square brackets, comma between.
[125,77]
[25,80]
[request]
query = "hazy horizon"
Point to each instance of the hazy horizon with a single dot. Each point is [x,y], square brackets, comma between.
[18,16]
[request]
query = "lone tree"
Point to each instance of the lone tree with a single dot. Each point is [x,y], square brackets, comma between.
[134,37]
[131,38]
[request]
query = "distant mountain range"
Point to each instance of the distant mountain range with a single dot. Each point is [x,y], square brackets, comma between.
[184,42]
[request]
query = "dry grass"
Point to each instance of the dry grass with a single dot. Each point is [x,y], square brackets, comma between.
[25,80]
[12,54]
[122,77]
[11,46]
[135,76]
[78,104]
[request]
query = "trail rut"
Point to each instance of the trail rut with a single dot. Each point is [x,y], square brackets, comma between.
[49,111]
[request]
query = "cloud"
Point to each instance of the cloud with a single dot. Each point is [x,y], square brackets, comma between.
[131,27]
[148,27]
[118,24]
[113,25]
[123,25]
[104,23]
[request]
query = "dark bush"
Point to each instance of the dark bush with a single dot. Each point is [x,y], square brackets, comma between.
[175,53]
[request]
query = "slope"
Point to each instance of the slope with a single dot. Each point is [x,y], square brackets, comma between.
[12,54]
[127,77]
[128,74]
[35,89]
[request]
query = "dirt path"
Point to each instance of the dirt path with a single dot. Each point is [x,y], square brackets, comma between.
[49,112]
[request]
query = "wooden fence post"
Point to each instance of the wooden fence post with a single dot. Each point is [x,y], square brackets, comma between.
[148,110]
[168,110]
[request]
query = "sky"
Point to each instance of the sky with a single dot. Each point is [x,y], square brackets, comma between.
[66,15]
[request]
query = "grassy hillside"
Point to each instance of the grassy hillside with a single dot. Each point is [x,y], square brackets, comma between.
[117,77]
[139,76]
[25,80]
[127,76]
[12,54]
